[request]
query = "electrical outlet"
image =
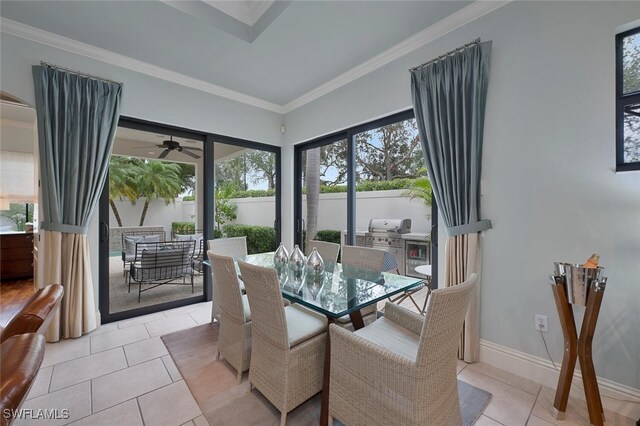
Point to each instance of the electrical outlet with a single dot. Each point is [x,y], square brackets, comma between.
[541,323]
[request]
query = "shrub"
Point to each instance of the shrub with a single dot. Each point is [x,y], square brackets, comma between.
[260,239]
[189,198]
[329,236]
[183,228]
[253,193]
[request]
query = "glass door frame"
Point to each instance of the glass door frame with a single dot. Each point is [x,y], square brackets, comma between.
[349,134]
[208,204]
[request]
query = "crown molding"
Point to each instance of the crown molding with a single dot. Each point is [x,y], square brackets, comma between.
[27,32]
[456,20]
[433,32]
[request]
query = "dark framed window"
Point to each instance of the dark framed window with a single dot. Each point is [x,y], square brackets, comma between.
[345,179]
[628,100]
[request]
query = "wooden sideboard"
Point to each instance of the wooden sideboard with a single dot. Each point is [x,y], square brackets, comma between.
[16,255]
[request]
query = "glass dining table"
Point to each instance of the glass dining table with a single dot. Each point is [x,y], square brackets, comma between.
[338,291]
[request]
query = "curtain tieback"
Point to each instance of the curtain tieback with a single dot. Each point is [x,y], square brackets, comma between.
[469,228]
[63,227]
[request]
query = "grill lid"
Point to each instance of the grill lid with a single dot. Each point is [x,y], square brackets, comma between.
[398,226]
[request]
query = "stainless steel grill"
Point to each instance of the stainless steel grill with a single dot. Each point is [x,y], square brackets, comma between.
[386,234]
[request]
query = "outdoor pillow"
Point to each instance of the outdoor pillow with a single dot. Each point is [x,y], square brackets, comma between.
[191,237]
[131,240]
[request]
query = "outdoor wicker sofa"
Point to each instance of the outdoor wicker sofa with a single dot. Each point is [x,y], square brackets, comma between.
[160,263]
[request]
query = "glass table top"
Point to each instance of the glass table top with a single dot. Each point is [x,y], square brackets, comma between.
[339,290]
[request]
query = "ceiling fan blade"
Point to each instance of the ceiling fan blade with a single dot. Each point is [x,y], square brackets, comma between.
[189,153]
[164,153]
[192,148]
[146,147]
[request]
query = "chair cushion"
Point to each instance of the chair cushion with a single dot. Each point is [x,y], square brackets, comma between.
[303,324]
[364,311]
[192,237]
[131,240]
[245,308]
[391,336]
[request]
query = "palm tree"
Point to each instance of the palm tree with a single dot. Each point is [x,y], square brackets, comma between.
[122,175]
[158,180]
[420,188]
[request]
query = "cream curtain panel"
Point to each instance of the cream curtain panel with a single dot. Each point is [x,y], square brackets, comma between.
[449,97]
[77,120]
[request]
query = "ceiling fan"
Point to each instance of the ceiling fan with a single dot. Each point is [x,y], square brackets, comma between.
[172,145]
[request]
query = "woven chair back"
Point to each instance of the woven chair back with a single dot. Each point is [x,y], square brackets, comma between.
[444,316]
[363,257]
[265,301]
[230,297]
[327,251]
[235,247]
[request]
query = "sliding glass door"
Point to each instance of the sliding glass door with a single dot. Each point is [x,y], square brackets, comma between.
[170,190]
[247,192]
[152,230]
[372,171]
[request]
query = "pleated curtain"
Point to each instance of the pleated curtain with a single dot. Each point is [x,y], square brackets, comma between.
[77,121]
[449,98]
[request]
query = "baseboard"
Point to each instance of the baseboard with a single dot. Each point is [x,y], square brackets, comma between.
[541,371]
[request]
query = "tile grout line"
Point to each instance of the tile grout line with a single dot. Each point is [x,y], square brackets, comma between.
[140,411]
[500,423]
[508,384]
[534,405]
[106,374]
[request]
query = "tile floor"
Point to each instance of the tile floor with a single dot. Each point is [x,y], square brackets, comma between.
[122,374]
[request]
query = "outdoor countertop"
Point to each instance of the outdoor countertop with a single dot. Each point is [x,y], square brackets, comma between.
[416,236]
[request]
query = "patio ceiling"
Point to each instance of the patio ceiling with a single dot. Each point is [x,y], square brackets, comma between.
[137,143]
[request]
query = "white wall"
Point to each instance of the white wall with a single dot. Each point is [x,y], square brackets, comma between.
[549,156]
[332,210]
[159,213]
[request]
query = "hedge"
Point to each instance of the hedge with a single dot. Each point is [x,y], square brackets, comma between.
[260,239]
[329,236]
[383,185]
[183,228]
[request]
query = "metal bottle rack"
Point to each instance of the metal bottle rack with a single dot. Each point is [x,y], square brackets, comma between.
[574,285]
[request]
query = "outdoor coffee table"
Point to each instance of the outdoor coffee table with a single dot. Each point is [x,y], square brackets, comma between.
[342,290]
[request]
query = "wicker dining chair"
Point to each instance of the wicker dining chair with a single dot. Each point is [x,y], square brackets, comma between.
[328,251]
[288,343]
[401,369]
[235,247]
[234,337]
[367,258]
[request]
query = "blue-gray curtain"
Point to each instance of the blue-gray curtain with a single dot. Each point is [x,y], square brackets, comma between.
[449,98]
[77,121]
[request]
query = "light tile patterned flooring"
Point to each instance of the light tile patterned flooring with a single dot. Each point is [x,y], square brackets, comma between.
[122,374]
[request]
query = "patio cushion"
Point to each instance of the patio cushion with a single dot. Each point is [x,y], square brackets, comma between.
[303,324]
[391,336]
[245,308]
[192,237]
[131,240]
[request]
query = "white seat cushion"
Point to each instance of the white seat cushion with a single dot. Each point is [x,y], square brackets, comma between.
[391,336]
[246,309]
[364,311]
[303,323]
